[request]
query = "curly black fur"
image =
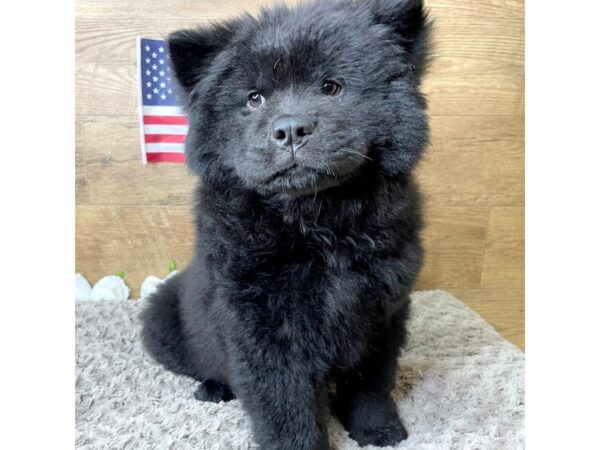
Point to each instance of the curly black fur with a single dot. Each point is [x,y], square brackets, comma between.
[305,256]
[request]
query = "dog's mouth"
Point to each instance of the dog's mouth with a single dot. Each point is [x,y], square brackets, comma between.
[295,170]
[280,173]
[297,180]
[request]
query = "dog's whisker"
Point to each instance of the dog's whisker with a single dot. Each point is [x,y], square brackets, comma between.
[345,150]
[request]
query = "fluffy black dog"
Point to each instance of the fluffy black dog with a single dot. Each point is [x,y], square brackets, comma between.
[305,125]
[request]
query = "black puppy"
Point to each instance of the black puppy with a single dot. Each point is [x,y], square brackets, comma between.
[305,126]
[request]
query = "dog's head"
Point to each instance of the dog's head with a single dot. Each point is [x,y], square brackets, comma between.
[298,100]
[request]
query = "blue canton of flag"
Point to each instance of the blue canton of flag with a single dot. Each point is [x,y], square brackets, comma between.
[162,123]
[156,74]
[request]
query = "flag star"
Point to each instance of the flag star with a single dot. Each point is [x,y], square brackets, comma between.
[147,48]
[162,73]
[163,96]
[154,55]
[155,79]
[148,96]
[161,49]
[168,78]
[162,85]
[155,90]
[161,61]
[148,84]
[154,67]
[147,60]
[169,91]
[147,72]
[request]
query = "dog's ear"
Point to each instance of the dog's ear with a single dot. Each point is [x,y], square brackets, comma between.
[192,51]
[408,19]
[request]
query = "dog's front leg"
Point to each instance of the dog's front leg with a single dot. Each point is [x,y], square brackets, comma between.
[283,399]
[363,400]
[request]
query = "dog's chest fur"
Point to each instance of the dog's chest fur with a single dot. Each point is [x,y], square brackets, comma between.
[313,277]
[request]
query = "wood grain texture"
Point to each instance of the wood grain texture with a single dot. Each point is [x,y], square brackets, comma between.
[504,261]
[116,174]
[474,160]
[133,218]
[168,9]
[478,67]
[138,240]
[454,238]
[81,184]
[113,41]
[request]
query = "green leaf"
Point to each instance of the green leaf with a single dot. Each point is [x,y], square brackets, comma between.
[121,274]
[171,265]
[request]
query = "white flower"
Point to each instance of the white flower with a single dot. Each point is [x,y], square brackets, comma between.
[111,287]
[151,284]
[83,289]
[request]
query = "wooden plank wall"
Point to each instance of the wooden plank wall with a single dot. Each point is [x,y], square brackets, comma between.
[133,218]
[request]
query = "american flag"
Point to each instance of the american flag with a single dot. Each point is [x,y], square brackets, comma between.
[163,126]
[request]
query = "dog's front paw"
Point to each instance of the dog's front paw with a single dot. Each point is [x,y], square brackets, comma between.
[380,435]
[372,421]
[213,391]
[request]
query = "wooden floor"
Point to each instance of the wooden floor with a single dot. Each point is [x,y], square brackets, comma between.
[134,218]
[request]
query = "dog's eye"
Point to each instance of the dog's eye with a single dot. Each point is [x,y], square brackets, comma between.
[330,87]
[255,99]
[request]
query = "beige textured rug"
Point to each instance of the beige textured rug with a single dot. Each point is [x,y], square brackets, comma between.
[461,386]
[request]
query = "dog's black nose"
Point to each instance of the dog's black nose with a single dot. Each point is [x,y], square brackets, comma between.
[290,131]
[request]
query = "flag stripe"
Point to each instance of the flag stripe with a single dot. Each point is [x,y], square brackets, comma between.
[174,138]
[165,157]
[164,147]
[162,111]
[165,120]
[165,129]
